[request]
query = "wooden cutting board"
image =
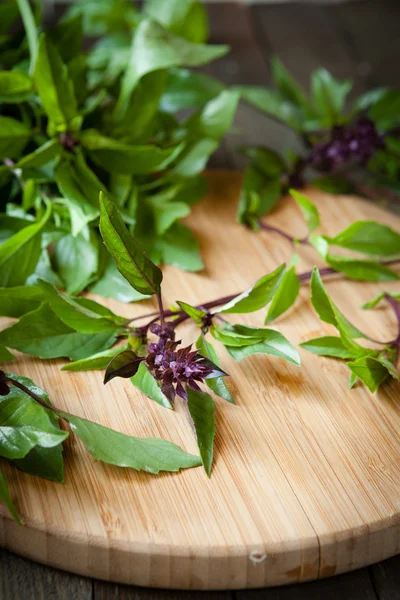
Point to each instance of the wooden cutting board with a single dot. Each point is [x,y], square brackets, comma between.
[306,481]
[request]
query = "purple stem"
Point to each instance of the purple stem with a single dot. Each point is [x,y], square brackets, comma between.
[286,236]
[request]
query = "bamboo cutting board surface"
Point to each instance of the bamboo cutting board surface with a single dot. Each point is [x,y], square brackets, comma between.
[306,480]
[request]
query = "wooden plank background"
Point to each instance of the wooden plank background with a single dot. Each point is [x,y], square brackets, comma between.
[358,40]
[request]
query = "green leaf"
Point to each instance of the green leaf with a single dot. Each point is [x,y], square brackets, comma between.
[285,295]
[42,333]
[362,270]
[113,285]
[188,89]
[385,112]
[96,362]
[286,84]
[194,313]
[272,342]
[215,119]
[328,346]
[333,184]
[309,210]
[40,157]
[179,247]
[217,384]
[154,48]
[143,454]
[146,383]
[16,442]
[5,355]
[327,310]
[194,159]
[124,364]
[132,263]
[30,30]
[368,237]
[16,301]
[201,408]
[118,157]
[272,103]
[15,86]
[5,497]
[14,136]
[81,314]
[55,89]
[328,96]
[256,296]
[267,161]
[20,253]
[67,35]
[76,260]
[370,370]
[186,18]
[166,213]
[258,196]
[17,410]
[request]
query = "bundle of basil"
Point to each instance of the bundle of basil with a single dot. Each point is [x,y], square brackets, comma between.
[352,149]
[74,123]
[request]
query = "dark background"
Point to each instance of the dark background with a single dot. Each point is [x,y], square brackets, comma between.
[358,40]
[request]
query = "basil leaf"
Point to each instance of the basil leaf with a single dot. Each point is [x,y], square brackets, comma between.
[179,247]
[286,84]
[309,210]
[20,253]
[217,384]
[15,86]
[55,89]
[258,196]
[145,382]
[328,346]
[143,454]
[328,96]
[188,89]
[5,497]
[272,342]
[30,29]
[327,310]
[5,355]
[333,184]
[132,263]
[82,314]
[118,157]
[43,334]
[16,442]
[16,301]
[154,48]
[285,295]
[385,112]
[76,260]
[267,161]
[216,117]
[14,136]
[368,237]
[272,103]
[361,270]
[67,35]
[255,297]
[194,313]
[113,285]
[194,160]
[41,156]
[201,408]
[125,364]
[96,361]
[370,370]
[166,213]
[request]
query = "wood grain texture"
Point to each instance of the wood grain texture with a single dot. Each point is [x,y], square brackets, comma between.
[306,476]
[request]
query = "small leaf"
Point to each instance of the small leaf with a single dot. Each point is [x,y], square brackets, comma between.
[286,84]
[95,362]
[76,260]
[370,370]
[285,296]
[273,343]
[5,497]
[368,237]
[309,210]
[255,297]
[125,364]
[272,103]
[328,96]
[217,385]
[15,86]
[146,383]
[267,161]
[328,346]
[194,313]
[143,454]
[133,264]
[201,408]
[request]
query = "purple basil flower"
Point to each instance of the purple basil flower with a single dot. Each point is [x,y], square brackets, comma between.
[175,368]
[352,143]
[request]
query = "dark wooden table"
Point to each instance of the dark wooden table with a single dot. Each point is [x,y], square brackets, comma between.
[359,40]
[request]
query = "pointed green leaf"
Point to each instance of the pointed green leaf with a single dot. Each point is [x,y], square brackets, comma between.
[368,237]
[309,210]
[15,86]
[194,313]
[370,370]
[328,346]
[217,384]
[146,383]
[96,361]
[16,442]
[201,408]
[285,296]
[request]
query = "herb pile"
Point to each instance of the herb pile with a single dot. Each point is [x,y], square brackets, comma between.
[97,171]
